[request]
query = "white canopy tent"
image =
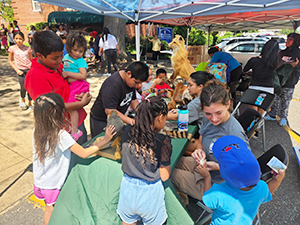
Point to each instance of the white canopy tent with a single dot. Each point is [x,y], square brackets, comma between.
[189,13]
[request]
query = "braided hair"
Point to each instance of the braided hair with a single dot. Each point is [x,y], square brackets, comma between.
[143,131]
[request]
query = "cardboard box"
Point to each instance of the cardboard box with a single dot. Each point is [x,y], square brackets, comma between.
[194,50]
[204,49]
[194,59]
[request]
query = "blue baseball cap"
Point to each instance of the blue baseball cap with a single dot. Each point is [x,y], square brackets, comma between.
[238,165]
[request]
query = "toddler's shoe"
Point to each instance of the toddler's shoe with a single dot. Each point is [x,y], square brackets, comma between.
[23,105]
[268,117]
[77,135]
[107,74]
[283,122]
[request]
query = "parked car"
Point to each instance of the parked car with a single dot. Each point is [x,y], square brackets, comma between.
[243,51]
[280,39]
[228,41]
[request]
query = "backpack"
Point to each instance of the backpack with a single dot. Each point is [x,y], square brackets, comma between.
[282,74]
[219,70]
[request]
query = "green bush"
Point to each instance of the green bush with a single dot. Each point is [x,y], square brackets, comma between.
[196,37]
[39,26]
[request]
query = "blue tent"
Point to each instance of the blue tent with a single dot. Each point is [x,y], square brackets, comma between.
[189,13]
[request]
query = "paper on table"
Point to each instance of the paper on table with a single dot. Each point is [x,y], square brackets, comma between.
[275,164]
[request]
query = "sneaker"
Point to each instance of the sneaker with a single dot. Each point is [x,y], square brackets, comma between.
[77,135]
[107,74]
[268,117]
[283,122]
[30,108]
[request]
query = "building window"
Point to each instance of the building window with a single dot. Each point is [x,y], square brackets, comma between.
[36,6]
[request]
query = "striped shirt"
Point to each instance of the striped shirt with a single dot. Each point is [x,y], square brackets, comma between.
[21,56]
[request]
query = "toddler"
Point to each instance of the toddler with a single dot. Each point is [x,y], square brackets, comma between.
[75,70]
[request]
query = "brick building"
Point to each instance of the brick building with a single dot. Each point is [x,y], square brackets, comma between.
[30,11]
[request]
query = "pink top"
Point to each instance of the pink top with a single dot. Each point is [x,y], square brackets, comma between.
[21,56]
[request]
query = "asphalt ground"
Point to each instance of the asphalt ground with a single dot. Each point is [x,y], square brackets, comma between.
[19,206]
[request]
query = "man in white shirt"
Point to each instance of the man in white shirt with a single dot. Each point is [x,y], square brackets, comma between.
[109,45]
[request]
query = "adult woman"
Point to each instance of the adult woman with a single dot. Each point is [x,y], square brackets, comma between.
[30,35]
[291,55]
[96,49]
[217,123]
[108,43]
[61,31]
[195,84]
[263,68]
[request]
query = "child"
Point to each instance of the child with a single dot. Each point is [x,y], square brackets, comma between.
[236,201]
[45,75]
[19,58]
[163,86]
[52,149]
[3,37]
[145,163]
[75,68]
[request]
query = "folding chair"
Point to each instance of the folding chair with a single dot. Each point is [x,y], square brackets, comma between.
[266,175]
[261,99]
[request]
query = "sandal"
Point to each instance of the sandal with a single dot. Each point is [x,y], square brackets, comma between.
[23,105]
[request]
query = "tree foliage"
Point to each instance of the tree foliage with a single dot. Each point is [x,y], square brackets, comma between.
[7,12]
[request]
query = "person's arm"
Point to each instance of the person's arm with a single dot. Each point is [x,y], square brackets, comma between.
[118,49]
[78,76]
[276,181]
[124,118]
[248,65]
[86,152]
[199,145]
[159,46]
[206,175]
[165,172]
[100,51]
[83,100]
[134,104]
[12,64]
[150,39]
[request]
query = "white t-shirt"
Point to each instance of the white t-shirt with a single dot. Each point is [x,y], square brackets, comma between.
[53,172]
[110,43]
[63,32]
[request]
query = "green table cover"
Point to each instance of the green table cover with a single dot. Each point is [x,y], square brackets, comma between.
[91,192]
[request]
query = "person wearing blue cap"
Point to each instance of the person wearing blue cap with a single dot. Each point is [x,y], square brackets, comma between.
[236,201]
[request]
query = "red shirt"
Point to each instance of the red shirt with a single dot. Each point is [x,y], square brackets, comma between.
[41,80]
[160,87]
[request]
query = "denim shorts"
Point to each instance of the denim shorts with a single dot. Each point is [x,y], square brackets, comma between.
[140,199]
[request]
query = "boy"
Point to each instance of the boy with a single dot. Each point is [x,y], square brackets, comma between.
[162,86]
[45,75]
[236,201]
[117,93]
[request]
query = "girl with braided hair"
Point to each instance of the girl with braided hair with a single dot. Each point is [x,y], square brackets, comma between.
[146,164]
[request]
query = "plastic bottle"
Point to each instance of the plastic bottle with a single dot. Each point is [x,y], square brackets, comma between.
[183,118]
[260,99]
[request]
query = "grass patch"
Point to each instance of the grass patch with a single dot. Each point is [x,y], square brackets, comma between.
[3,53]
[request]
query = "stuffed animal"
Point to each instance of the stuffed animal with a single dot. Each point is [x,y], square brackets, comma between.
[183,68]
[180,63]
[113,149]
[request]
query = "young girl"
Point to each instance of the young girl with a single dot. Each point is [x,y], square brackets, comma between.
[19,58]
[146,164]
[3,37]
[52,149]
[263,69]
[218,122]
[291,55]
[75,68]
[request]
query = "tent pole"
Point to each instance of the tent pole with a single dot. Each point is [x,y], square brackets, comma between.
[187,37]
[209,29]
[137,40]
